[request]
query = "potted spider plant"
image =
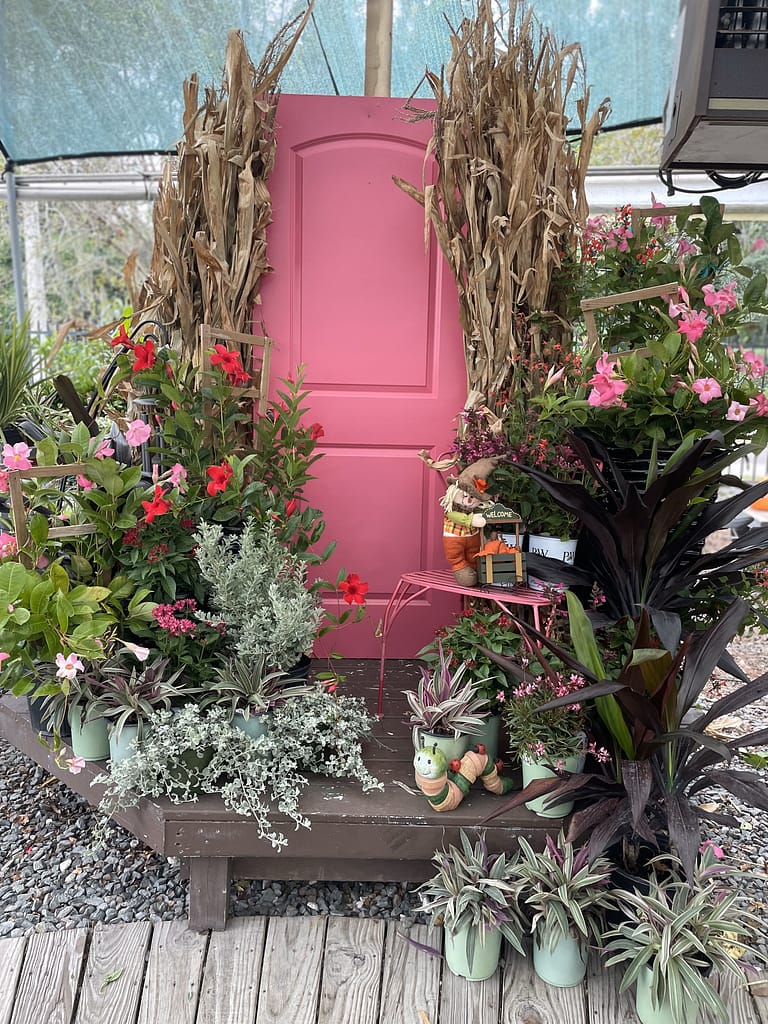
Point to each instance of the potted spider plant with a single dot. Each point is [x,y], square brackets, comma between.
[249,691]
[568,897]
[674,935]
[447,708]
[476,895]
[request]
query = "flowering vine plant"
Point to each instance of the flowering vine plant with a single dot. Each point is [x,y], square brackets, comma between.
[670,368]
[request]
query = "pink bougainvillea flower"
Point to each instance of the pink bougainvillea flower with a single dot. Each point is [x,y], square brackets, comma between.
[142,653]
[760,404]
[693,324]
[74,765]
[104,449]
[7,545]
[707,388]
[736,412]
[722,299]
[354,589]
[144,356]
[16,456]
[178,476]
[220,477]
[755,365]
[137,433]
[231,364]
[4,656]
[121,339]
[158,506]
[68,666]
[316,432]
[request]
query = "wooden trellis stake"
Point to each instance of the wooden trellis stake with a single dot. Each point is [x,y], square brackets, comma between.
[19,511]
[257,366]
[588,306]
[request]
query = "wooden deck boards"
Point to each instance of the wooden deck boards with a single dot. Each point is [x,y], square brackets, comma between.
[308,970]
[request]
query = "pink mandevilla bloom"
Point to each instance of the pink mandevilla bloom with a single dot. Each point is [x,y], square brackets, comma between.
[137,433]
[104,449]
[7,545]
[693,324]
[736,412]
[760,404]
[755,365]
[659,222]
[686,248]
[84,482]
[707,388]
[16,456]
[68,666]
[178,475]
[142,653]
[720,300]
[3,657]
[74,764]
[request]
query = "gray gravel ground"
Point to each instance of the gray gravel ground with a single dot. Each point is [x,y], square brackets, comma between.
[50,877]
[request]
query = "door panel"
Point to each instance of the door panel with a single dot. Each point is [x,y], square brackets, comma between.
[373,317]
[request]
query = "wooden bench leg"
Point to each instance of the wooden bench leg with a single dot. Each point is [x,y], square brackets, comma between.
[209,880]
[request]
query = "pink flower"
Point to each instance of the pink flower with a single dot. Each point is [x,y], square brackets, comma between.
[717,851]
[755,365]
[3,482]
[16,456]
[501,696]
[707,388]
[760,403]
[539,749]
[104,449]
[720,301]
[693,324]
[3,657]
[736,412]
[686,248]
[137,433]
[85,483]
[178,476]
[759,243]
[142,653]
[74,764]
[606,391]
[659,222]
[7,545]
[69,666]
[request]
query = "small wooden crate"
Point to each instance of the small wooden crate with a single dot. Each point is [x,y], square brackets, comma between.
[507,570]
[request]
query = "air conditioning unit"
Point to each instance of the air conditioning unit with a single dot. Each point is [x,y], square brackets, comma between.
[716,116]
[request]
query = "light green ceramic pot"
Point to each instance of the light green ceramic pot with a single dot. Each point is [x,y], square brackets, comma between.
[650,1013]
[450,746]
[533,769]
[253,726]
[489,736]
[485,954]
[565,965]
[90,740]
[124,745]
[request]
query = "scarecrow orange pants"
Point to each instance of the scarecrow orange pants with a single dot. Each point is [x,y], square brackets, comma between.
[461,552]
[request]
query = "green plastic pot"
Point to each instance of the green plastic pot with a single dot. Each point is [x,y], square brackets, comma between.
[90,740]
[485,954]
[452,747]
[650,1013]
[534,769]
[122,746]
[564,966]
[489,736]
[253,726]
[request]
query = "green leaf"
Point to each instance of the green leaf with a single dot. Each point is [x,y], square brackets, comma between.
[710,207]
[38,528]
[755,290]
[59,578]
[47,453]
[111,977]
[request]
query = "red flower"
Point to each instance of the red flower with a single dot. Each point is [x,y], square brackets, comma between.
[354,589]
[158,506]
[145,356]
[291,507]
[316,432]
[121,339]
[230,363]
[220,477]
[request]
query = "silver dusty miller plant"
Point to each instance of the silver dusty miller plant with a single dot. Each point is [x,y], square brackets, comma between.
[260,590]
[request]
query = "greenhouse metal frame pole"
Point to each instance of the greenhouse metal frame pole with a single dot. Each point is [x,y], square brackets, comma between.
[378,48]
[13,229]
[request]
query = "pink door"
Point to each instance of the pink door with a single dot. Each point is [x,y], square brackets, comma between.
[373,317]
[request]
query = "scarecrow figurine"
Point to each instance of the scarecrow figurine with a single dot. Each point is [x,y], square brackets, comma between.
[462,523]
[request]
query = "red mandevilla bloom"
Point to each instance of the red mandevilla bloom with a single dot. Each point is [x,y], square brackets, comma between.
[121,339]
[158,506]
[354,589]
[316,432]
[145,356]
[220,477]
[230,363]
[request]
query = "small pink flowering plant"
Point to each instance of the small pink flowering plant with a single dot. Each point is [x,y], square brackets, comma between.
[671,368]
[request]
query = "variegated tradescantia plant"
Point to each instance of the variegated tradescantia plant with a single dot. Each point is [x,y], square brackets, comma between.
[448,701]
[473,887]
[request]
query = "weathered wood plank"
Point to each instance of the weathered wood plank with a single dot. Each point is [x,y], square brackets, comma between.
[525,997]
[462,1001]
[11,959]
[209,881]
[116,948]
[290,978]
[349,991]
[411,979]
[173,976]
[735,994]
[605,1003]
[230,990]
[759,992]
[50,974]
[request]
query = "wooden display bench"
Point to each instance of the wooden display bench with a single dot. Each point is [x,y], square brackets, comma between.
[380,836]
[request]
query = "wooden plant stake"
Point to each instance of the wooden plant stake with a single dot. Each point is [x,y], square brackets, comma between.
[19,510]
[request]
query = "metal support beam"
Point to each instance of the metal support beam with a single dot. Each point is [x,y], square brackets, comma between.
[378,48]
[13,228]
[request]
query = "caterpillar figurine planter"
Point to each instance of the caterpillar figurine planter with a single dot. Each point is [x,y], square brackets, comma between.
[445,786]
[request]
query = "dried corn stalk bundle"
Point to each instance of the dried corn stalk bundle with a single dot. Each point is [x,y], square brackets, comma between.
[211,215]
[509,192]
